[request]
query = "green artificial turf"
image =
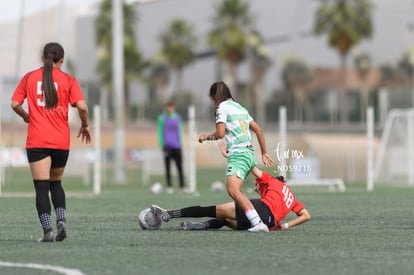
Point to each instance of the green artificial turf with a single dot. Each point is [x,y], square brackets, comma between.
[354,232]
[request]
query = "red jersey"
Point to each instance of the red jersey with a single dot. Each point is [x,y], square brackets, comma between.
[278,197]
[48,128]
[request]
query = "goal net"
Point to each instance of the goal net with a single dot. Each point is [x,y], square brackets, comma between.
[394,162]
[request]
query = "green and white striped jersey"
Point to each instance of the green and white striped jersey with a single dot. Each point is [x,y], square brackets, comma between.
[237,120]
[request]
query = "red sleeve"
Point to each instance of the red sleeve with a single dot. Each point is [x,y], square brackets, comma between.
[20,93]
[266,178]
[297,207]
[75,92]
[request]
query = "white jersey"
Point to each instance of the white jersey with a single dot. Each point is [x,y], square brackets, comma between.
[237,120]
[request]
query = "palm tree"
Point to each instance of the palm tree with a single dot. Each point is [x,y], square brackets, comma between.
[388,74]
[346,23]
[406,69]
[406,64]
[160,76]
[362,62]
[178,42]
[260,63]
[229,36]
[134,63]
[296,75]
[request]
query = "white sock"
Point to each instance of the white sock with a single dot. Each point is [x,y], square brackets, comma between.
[253,217]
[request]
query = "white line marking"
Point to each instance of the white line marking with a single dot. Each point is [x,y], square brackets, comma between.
[67,271]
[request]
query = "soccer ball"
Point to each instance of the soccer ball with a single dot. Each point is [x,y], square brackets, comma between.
[148,221]
[217,186]
[156,188]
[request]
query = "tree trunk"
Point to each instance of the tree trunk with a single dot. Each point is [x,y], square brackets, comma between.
[230,78]
[299,96]
[260,106]
[127,103]
[161,87]
[343,102]
[179,82]
[364,96]
[104,103]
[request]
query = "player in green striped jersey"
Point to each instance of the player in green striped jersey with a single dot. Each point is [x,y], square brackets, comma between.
[233,122]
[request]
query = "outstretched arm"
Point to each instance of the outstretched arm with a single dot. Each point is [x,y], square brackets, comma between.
[218,134]
[257,172]
[302,217]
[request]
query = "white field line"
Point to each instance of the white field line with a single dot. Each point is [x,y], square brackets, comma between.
[62,270]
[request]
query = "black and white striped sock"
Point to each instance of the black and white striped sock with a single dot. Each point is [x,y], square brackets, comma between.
[174,214]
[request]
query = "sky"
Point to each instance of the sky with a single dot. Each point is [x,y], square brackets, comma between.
[10,9]
[392,16]
[277,17]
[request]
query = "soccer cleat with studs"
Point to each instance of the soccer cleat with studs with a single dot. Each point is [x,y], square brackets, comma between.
[47,237]
[160,212]
[260,227]
[61,231]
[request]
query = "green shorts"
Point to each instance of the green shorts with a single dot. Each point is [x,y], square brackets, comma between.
[241,163]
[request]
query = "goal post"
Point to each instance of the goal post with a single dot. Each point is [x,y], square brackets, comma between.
[282,137]
[97,168]
[394,161]
[1,149]
[370,149]
[304,171]
[192,180]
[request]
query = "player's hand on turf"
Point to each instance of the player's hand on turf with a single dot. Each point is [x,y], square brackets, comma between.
[267,160]
[85,134]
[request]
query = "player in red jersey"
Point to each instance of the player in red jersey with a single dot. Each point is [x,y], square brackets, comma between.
[49,92]
[275,203]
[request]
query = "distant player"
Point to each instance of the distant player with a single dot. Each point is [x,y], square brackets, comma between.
[275,203]
[234,123]
[49,92]
[170,139]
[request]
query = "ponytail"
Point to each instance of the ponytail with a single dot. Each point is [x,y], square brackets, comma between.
[52,53]
[49,89]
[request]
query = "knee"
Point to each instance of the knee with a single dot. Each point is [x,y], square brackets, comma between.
[233,191]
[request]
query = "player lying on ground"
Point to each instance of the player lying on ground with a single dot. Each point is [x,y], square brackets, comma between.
[275,203]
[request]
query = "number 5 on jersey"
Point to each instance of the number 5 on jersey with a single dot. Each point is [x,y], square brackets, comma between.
[40,100]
